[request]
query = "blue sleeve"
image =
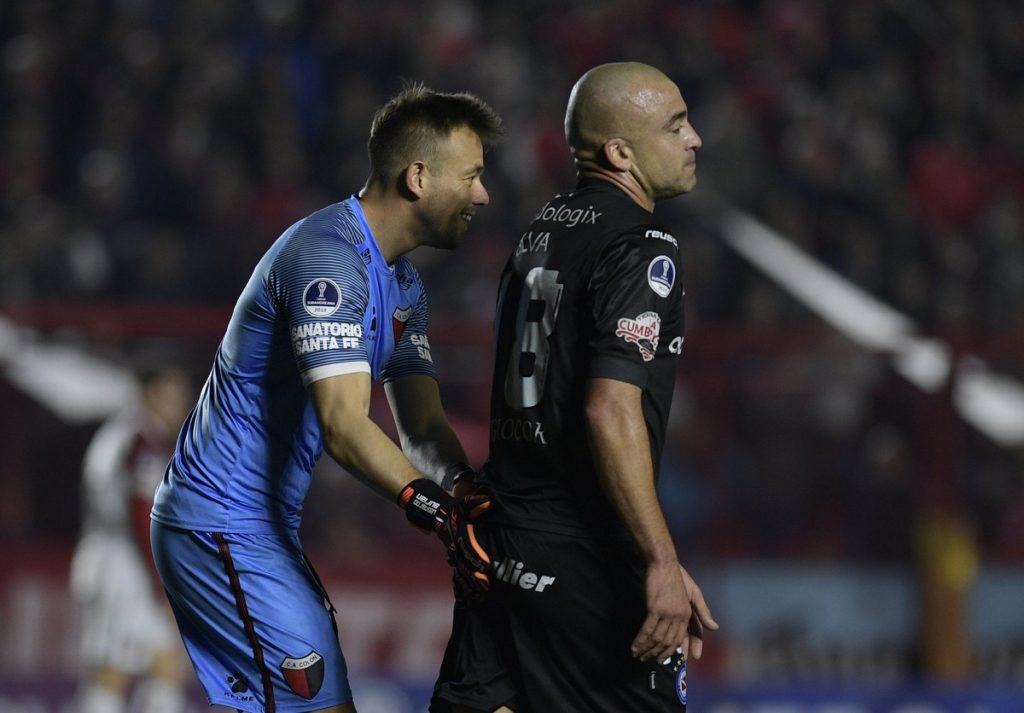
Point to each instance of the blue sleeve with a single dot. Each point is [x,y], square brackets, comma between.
[412,352]
[319,284]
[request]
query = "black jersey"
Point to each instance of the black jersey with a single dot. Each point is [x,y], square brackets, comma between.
[592,289]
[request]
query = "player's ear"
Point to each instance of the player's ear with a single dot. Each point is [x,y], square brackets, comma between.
[618,154]
[416,177]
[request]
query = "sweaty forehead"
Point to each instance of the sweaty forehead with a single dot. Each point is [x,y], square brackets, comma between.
[658,100]
[647,98]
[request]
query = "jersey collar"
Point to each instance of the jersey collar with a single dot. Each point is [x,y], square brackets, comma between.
[377,258]
[599,184]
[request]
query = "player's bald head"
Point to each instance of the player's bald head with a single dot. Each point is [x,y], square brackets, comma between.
[613,101]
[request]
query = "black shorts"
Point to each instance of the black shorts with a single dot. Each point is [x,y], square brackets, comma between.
[554,633]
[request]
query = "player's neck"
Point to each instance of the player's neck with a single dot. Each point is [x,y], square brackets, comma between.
[391,226]
[624,181]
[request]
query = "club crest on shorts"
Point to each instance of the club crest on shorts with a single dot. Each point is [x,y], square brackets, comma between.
[643,331]
[681,684]
[322,297]
[304,675]
[661,275]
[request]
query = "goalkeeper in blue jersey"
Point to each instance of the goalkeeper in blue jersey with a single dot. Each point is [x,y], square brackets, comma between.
[331,307]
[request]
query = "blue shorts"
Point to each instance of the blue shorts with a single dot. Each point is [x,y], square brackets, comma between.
[254,619]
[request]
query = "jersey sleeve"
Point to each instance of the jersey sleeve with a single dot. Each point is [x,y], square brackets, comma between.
[412,349]
[322,291]
[635,289]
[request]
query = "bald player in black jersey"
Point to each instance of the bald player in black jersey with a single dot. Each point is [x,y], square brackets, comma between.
[589,608]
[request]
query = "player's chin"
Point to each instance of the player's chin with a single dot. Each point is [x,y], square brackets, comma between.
[677,189]
[688,184]
[452,240]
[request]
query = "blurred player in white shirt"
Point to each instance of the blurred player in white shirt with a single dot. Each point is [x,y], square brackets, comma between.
[127,629]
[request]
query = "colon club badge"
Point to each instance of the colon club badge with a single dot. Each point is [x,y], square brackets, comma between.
[398,319]
[304,675]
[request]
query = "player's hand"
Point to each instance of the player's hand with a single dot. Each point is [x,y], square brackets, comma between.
[471,563]
[668,612]
[676,615]
[700,618]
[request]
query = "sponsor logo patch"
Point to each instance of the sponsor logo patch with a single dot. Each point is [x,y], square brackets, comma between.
[642,330]
[514,572]
[322,297]
[661,275]
[422,345]
[518,429]
[304,675]
[570,217]
[321,336]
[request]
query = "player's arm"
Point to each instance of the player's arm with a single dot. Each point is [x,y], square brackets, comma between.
[621,451]
[342,405]
[676,610]
[426,436]
[410,382]
[323,290]
[624,284]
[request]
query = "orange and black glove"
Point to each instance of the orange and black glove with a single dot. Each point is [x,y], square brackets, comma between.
[432,509]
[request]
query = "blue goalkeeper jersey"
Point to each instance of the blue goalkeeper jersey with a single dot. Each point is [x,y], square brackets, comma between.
[321,302]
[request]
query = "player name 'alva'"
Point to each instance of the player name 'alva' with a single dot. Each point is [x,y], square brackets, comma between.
[531,243]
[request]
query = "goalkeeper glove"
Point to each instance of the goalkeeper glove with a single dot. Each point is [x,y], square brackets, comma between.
[430,508]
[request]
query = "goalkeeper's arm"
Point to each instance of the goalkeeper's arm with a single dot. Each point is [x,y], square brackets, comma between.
[342,406]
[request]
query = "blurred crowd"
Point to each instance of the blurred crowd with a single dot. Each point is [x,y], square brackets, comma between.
[151,150]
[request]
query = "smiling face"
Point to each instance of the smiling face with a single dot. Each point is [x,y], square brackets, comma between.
[455,189]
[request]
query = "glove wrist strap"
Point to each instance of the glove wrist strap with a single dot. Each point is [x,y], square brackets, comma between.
[426,504]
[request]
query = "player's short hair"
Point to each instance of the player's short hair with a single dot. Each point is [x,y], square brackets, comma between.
[413,123]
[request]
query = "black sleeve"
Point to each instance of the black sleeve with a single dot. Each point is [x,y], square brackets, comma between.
[633,288]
